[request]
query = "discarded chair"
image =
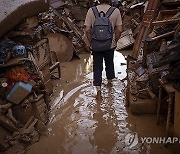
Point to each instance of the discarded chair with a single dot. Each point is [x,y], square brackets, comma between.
[46,61]
[44,57]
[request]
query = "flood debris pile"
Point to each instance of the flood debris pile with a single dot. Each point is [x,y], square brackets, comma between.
[64,32]
[172,58]
[155,56]
[132,12]
[24,101]
[71,22]
[30,56]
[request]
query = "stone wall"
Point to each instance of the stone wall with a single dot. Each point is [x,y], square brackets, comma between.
[13,12]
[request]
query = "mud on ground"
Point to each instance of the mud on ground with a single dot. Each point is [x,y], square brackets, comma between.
[82,124]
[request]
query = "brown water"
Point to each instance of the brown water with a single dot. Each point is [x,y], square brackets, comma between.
[82,124]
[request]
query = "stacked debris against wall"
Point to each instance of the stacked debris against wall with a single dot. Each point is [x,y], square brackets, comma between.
[155,56]
[132,13]
[72,22]
[172,58]
[30,57]
[24,101]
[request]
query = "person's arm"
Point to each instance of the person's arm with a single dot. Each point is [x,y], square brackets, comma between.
[88,26]
[118,25]
[118,31]
[88,35]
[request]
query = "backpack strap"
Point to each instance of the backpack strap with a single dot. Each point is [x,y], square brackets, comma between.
[110,11]
[96,12]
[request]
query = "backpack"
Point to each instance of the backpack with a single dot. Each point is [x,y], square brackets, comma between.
[102,30]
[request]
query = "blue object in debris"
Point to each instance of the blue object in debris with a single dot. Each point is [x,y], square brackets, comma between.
[19,92]
[19,51]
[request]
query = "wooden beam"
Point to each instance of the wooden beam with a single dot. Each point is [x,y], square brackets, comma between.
[163,35]
[162,22]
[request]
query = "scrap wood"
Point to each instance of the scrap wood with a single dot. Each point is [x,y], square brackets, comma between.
[38,98]
[159,37]
[143,94]
[69,24]
[21,33]
[5,122]
[167,21]
[171,2]
[6,106]
[28,132]
[27,102]
[72,26]
[145,26]
[174,19]
[14,62]
[29,126]
[11,117]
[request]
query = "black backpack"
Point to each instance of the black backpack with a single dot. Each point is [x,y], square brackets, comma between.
[102,31]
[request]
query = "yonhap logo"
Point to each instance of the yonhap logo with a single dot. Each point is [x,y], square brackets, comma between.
[131,140]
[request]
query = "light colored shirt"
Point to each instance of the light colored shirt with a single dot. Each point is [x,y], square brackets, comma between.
[115,18]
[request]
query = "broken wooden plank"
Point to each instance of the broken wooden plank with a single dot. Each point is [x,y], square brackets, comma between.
[145,26]
[77,32]
[69,24]
[163,22]
[162,36]
[8,124]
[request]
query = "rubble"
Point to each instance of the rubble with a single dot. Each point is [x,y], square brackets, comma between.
[21,87]
[125,40]
[132,15]
[31,54]
[30,57]
[153,68]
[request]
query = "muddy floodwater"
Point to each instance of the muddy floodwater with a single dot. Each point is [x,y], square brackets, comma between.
[80,123]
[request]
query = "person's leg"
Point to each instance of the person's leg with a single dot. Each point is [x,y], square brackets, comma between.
[97,68]
[109,63]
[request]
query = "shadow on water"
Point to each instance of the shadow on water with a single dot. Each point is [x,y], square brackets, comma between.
[106,131]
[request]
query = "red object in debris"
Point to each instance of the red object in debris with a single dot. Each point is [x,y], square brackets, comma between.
[10,85]
[18,74]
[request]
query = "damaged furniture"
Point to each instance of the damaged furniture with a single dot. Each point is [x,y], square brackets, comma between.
[22,92]
[140,97]
[153,69]
[151,45]
[28,64]
[132,15]
[171,95]
[46,61]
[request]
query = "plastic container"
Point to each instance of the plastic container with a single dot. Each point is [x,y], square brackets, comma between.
[19,92]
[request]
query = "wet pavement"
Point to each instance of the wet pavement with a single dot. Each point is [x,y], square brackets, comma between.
[81,123]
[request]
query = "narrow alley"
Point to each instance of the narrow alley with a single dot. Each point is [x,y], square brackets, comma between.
[52,97]
[81,123]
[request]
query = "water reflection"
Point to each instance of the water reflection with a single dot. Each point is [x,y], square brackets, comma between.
[120,71]
[105,134]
